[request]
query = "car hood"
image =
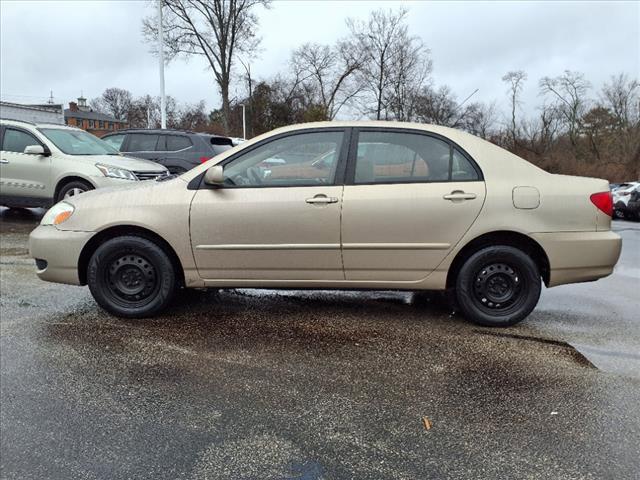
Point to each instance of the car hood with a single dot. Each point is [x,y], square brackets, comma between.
[129,163]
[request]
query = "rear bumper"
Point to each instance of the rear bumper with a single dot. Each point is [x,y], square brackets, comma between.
[61,252]
[579,256]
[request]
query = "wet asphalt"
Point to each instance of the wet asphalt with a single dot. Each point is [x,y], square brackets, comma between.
[250,384]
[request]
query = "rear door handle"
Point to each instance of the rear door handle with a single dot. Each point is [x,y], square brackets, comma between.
[459,195]
[4,160]
[322,199]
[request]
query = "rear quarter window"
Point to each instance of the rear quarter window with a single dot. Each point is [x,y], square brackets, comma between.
[219,144]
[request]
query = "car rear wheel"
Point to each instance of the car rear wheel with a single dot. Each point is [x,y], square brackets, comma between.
[619,210]
[498,286]
[72,189]
[131,277]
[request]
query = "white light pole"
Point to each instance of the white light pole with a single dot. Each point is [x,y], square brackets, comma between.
[244,122]
[163,105]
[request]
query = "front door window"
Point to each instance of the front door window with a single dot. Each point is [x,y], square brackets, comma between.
[307,159]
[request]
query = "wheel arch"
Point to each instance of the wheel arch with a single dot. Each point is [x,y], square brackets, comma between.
[71,178]
[122,230]
[503,237]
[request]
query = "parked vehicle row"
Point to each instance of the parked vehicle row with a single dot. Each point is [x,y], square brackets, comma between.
[366,205]
[41,164]
[625,201]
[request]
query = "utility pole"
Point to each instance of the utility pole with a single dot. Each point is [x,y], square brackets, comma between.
[244,122]
[163,105]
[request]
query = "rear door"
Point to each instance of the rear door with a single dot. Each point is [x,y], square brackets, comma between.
[409,198]
[260,226]
[23,176]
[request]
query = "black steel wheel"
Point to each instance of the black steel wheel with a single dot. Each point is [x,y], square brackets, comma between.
[498,286]
[131,276]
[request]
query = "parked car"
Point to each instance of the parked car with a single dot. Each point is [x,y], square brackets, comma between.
[621,199]
[177,150]
[41,164]
[615,186]
[491,234]
[632,210]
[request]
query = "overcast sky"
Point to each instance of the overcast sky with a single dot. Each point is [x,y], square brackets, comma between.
[86,46]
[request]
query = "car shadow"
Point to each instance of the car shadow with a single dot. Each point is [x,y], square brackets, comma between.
[208,319]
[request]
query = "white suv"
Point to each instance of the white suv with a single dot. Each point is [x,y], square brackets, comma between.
[40,164]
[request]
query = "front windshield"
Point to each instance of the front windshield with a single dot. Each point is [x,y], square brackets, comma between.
[78,142]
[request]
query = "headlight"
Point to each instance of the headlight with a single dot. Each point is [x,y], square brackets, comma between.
[115,172]
[57,214]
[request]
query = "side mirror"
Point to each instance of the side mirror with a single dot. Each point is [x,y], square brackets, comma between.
[214,176]
[34,150]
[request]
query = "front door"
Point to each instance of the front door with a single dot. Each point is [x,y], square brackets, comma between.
[25,179]
[277,217]
[409,199]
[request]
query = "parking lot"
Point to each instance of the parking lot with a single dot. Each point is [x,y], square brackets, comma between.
[316,385]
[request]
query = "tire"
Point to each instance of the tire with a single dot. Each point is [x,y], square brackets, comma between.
[619,211]
[131,277]
[72,189]
[498,286]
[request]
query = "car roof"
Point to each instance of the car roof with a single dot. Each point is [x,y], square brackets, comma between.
[23,123]
[161,131]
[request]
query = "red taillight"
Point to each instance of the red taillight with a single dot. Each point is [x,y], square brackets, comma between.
[604,202]
[204,159]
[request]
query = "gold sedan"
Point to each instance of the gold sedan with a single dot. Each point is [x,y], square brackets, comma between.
[364,205]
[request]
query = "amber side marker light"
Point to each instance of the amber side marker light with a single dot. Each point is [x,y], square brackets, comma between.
[62,217]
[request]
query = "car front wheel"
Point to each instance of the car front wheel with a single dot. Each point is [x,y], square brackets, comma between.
[498,286]
[72,189]
[131,277]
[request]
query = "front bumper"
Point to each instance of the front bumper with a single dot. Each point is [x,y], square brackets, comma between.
[60,250]
[579,256]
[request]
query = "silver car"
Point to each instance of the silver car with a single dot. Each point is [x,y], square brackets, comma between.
[41,164]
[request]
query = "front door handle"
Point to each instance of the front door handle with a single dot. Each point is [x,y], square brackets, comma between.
[322,199]
[459,195]
[4,160]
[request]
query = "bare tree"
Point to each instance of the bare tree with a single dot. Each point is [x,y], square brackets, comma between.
[145,112]
[515,80]
[410,70]
[622,97]
[218,30]
[114,101]
[569,93]
[540,132]
[327,72]
[193,117]
[437,106]
[380,40]
[479,119]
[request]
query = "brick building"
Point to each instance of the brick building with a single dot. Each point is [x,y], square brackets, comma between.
[80,115]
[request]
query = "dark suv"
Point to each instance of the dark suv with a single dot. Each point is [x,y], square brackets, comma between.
[178,150]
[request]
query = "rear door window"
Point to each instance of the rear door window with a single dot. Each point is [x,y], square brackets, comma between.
[142,142]
[177,142]
[402,157]
[461,168]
